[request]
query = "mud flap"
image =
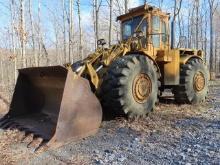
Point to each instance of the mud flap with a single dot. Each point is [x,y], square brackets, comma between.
[55,104]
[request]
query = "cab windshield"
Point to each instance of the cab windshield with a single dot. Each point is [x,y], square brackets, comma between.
[129,26]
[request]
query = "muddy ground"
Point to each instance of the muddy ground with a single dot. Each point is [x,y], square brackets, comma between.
[172,134]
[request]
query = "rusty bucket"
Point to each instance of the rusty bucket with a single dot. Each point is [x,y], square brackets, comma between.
[54,104]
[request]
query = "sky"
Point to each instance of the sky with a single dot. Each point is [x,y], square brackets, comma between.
[52,4]
[49,6]
[53,8]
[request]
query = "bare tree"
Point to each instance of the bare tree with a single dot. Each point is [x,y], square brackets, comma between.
[176,11]
[97,5]
[217,43]
[197,5]
[64,29]
[110,22]
[39,32]
[182,38]
[189,29]
[126,5]
[205,36]
[216,50]
[12,13]
[22,32]
[213,4]
[32,33]
[70,21]
[80,30]
[56,30]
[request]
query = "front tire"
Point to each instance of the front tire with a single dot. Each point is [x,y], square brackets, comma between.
[130,86]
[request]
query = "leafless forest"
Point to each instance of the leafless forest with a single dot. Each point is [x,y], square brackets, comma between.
[37,33]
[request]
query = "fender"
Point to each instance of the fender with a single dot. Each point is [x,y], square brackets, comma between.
[144,54]
[185,58]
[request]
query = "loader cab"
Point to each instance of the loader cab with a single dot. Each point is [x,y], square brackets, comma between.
[151,24]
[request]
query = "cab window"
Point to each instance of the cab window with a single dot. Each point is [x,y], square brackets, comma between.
[129,26]
[164,32]
[156,31]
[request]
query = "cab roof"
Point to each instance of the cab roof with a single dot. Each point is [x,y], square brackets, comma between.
[140,10]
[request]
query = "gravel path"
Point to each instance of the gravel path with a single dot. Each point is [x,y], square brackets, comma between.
[172,134]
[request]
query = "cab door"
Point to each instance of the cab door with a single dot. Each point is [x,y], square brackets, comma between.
[159,34]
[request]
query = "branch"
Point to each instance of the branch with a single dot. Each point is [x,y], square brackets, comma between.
[216,6]
[99,5]
[178,9]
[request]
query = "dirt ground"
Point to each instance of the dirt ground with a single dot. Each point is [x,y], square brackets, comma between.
[172,134]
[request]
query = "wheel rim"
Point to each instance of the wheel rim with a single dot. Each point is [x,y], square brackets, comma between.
[199,82]
[142,87]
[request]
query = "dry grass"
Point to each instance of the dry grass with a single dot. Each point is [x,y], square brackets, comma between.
[10,153]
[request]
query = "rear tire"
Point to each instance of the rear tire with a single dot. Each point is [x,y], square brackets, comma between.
[130,86]
[194,80]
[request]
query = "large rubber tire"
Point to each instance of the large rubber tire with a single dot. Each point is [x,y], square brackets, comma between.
[118,85]
[188,91]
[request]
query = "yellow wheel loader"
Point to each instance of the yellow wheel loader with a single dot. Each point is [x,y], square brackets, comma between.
[63,103]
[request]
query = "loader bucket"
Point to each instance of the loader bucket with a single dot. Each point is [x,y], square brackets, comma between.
[55,104]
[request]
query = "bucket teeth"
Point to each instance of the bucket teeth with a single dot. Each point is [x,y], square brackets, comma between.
[20,127]
[3,122]
[12,126]
[35,143]
[42,147]
[28,138]
[6,124]
[21,136]
[6,117]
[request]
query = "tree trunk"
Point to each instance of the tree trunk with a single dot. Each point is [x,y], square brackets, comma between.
[176,11]
[96,21]
[211,60]
[22,32]
[70,30]
[64,33]
[205,35]
[212,7]
[80,31]
[39,32]
[126,6]
[110,23]
[12,13]
[216,57]
[32,33]
[188,30]
[97,5]
[197,23]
